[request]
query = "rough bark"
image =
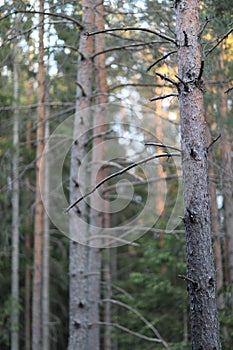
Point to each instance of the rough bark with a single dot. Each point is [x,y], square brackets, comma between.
[200,262]
[39,209]
[97,215]
[15,213]
[78,268]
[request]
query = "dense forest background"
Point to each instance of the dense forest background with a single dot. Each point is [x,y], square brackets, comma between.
[48,62]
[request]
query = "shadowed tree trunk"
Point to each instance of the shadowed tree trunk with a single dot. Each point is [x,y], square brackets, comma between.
[97,218]
[15,213]
[200,262]
[39,209]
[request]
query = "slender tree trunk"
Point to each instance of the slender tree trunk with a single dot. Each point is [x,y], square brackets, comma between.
[97,215]
[215,227]
[227,180]
[15,213]
[78,268]
[46,254]
[28,247]
[39,209]
[200,262]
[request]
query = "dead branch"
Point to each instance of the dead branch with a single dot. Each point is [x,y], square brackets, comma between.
[229,90]
[160,59]
[123,47]
[213,141]
[156,144]
[120,172]
[139,183]
[59,15]
[170,80]
[219,41]
[81,88]
[163,97]
[207,20]
[155,32]
[138,85]
[143,319]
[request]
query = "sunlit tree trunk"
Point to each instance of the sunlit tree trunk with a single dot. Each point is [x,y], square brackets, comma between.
[200,262]
[15,213]
[78,266]
[39,209]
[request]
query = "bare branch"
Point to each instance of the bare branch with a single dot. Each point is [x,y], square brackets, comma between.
[59,15]
[81,88]
[219,41]
[123,47]
[155,32]
[120,172]
[213,141]
[163,97]
[139,183]
[160,59]
[170,80]
[229,90]
[207,20]
[156,144]
[143,319]
[138,85]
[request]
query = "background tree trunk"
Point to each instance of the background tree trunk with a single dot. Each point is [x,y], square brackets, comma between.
[39,209]
[15,212]
[200,263]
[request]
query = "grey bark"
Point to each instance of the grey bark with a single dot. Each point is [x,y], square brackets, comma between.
[78,266]
[200,262]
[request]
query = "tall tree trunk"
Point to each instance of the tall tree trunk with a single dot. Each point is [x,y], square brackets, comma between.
[15,213]
[97,215]
[46,254]
[78,266]
[39,209]
[227,180]
[200,262]
[28,247]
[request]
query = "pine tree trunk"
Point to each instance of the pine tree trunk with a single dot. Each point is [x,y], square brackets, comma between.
[39,209]
[97,215]
[46,252]
[15,213]
[200,262]
[78,268]
[28,246]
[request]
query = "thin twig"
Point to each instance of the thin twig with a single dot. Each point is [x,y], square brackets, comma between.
[156,144]
[160,59]
[138,85]
[155,32]
[123,47]
[81,88]
[59,15]
[170,80]
[120,172]
[142,318]
[186,278]
[207,20]
[163,97]
[229,90]
[213,141]
[219,41]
